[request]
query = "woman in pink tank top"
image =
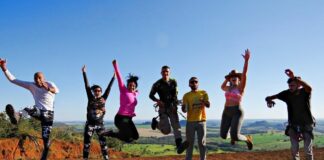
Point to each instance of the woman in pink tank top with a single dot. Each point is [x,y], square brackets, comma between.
[233,114]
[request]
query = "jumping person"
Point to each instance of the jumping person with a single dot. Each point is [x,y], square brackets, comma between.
[95,114]
[194,104]
[44,94]
[128,101]
[300,119]
[166,88]
[233,114]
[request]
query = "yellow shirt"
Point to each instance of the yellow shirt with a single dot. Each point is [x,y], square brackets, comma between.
[194,107]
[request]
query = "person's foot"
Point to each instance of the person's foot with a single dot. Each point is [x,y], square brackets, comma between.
[154,123]
[182,147]
[30,111]
[12,114]
[249,142]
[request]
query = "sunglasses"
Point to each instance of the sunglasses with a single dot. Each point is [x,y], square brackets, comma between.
[97,90]
[192,82]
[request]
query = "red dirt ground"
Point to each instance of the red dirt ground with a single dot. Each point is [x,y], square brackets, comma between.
[65,150]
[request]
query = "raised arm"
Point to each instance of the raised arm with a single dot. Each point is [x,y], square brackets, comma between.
[118,74]
[224,85]
[86,83]
[12,78]
[246,57]
[107,91]
[305,85]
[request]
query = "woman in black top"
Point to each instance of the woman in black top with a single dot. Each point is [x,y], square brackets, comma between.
[95,113]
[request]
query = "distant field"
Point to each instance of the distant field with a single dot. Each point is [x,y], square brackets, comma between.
[267,136]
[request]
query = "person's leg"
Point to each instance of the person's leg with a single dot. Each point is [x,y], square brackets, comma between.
[102,141]
[133,129]
[225,123]
[87,135]
[294,144]
[47,123]
[175,124]
[164,124]
[190,136]
[308,146]
[201,135]
[123,125]
[236,125]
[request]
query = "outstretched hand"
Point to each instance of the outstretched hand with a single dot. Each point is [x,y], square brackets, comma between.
[84,68]
[270,102]
[246,55]
[3,64]
[289,73]
[114,62]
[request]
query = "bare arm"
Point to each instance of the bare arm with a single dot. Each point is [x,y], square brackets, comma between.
[305,85]
[224,85]
[246,57]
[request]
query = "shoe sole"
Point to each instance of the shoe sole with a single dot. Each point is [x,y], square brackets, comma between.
[11,114]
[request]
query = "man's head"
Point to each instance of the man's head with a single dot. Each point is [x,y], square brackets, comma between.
[193,83]
[293,84]
[39,79]
[165,72]
[97,91]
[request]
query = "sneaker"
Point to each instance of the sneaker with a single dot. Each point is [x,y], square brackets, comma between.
[11,114]
[183,147]
[154,123]
[30,111]
[249,142]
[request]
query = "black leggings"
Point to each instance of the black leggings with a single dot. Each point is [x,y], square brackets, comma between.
[127,130]
[88,133]
[232,118]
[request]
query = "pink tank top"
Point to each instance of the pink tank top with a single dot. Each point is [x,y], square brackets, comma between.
[233,95]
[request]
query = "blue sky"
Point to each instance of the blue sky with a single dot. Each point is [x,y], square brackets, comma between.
[195,38]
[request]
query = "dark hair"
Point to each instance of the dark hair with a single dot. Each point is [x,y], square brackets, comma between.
[293,79]
[192,79]
[165,67]
[93,87]
[132,78]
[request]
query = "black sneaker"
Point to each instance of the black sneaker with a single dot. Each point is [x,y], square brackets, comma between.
[30,111]
[249,142]
[182,147]
[11,114]
[154,123]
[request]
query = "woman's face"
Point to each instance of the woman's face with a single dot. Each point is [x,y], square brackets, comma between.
[234,80]
[131,86]
[97,92]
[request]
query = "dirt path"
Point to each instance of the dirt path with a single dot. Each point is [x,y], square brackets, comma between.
[70,150]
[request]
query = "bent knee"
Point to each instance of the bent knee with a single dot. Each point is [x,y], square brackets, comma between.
[165,130]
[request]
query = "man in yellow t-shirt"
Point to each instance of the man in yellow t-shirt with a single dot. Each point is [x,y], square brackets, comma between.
[194,104]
